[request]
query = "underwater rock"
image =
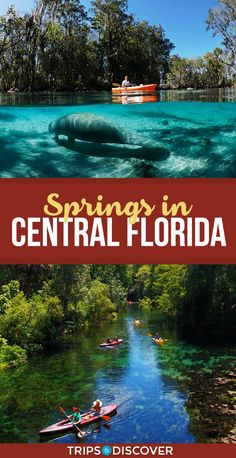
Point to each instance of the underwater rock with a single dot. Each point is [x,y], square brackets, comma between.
[91,128]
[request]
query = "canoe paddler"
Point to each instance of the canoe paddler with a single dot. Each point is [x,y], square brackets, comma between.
[97,405]
[77,417]
[126,82]
[157,336]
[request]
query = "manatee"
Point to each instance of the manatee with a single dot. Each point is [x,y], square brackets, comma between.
[91,128]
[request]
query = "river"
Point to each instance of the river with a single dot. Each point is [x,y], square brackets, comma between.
[163,392]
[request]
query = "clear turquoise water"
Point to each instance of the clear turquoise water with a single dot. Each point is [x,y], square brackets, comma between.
[200,137]
[153,386]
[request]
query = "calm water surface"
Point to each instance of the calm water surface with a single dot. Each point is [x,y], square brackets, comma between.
[152,385]
[200,137]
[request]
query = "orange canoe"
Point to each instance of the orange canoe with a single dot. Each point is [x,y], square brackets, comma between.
[141,88]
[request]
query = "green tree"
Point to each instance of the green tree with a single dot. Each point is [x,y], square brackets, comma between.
[110,23]
[215,71]
[11,356]
[147,53]
[207,71]
[97,302]
[7,293]
[63,43]
[168,288]
[222,21]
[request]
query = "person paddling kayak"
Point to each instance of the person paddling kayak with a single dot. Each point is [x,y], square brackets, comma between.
[137,322]
[97,405]
[77,417]
[126,82]
[157,336]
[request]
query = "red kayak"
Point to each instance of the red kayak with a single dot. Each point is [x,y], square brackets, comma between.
[67,425]
[131,89]
[113,343]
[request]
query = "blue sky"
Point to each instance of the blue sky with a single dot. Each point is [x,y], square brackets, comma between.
[183,21]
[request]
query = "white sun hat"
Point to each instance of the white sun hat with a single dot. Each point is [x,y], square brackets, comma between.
[97,402]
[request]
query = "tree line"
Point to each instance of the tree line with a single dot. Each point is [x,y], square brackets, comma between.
[40,305]
[200,299]
[214,69]
[209,71]
[61,45]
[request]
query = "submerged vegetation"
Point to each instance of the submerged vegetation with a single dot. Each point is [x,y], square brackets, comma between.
[41,305]
[210,379]
[61,45]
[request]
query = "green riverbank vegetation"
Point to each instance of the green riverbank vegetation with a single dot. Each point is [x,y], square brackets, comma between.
[61,45]
[201,299]
[40,306]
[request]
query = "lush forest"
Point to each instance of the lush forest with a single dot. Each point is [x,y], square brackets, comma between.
[40,306]
[61,45]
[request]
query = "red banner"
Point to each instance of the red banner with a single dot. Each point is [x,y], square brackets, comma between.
[146,450]
[184,221]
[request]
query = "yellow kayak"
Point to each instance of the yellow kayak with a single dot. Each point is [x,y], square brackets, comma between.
[159,341]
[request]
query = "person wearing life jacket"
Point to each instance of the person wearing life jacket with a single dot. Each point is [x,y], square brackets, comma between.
[77,417]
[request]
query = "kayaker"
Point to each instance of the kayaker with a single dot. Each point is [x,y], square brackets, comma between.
[126,82]
[77,417]
[13,89]
[157,336]
[109,340]
[97,405]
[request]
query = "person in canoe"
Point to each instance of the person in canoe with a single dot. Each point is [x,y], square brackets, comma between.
[13,90]
[76,420]
[96,407]
[109,340]
[137,322]
[157,336]
[77,417]
[126,82]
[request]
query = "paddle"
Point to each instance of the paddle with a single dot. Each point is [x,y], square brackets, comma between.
[107,426]
[80,433]
[116,84]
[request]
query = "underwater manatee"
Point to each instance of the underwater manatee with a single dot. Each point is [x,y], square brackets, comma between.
[96,129]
